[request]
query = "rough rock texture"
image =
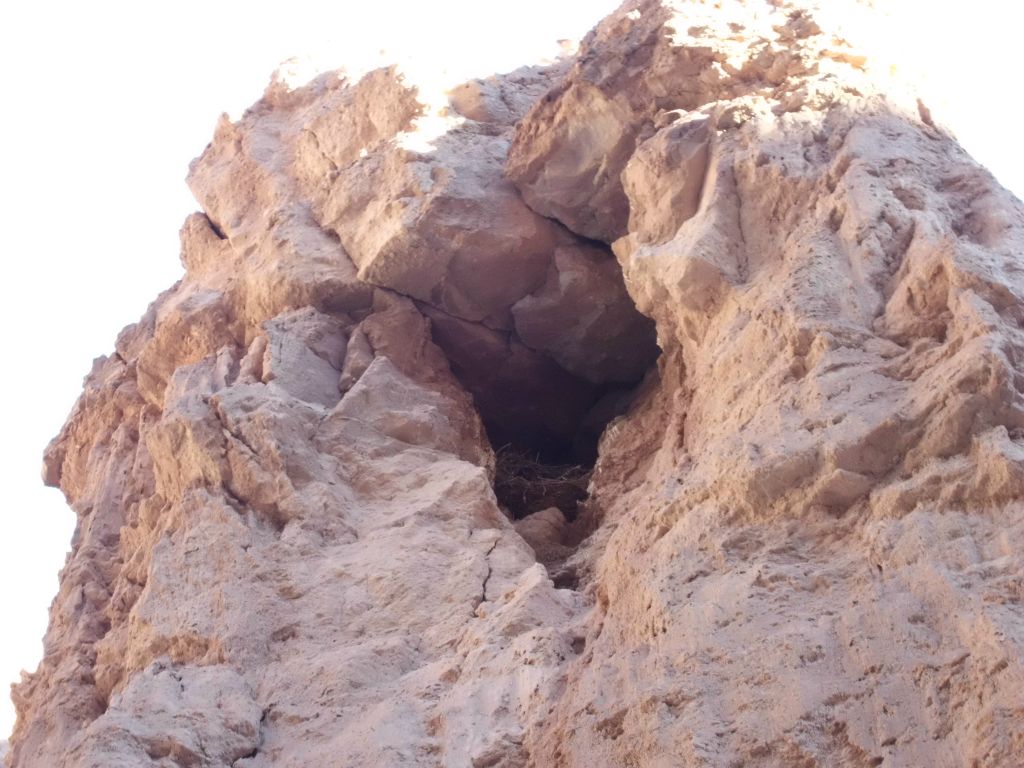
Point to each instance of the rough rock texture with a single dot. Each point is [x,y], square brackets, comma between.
[367,178]
[803,541]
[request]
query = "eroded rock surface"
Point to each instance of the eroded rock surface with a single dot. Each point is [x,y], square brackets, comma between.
[802,544]
[384,188]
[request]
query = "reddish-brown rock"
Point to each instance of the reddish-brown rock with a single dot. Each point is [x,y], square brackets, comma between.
[802,542]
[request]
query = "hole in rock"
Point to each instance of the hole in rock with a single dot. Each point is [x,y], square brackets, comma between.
[541,479]
[543,419]
[543,422]
[545,432]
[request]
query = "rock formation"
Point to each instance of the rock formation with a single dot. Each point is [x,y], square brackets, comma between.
[801,543]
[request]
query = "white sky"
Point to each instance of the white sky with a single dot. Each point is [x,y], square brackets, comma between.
[107,102]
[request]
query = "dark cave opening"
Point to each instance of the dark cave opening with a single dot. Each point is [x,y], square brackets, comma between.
[543,421]
[536,469]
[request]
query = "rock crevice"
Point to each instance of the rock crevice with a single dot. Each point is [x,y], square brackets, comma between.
[661,406]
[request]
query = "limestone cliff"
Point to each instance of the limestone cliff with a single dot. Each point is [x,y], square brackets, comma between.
[334,490]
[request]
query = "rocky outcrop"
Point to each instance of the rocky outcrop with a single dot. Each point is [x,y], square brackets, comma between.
[802,541]
[384,191]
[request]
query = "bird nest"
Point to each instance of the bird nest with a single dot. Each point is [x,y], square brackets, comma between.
[524,484]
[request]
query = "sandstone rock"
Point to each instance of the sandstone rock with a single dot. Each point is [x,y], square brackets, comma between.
[802,543]
[584,320]
[164,714]
[391,403]
[664,179]
[377,184]
[444,227]
[825,249]
[644,62]
[303,354]
[545,532]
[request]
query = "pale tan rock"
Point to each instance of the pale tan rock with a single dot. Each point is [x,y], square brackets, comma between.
[830,324]
[254,479]
[584,320]
[501,100]
[359,179]
[304,354]
[664,179]
[646,61]
[398,407]
[545,532]
[358,357]
[803,541]
[443,227]
[278,258]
